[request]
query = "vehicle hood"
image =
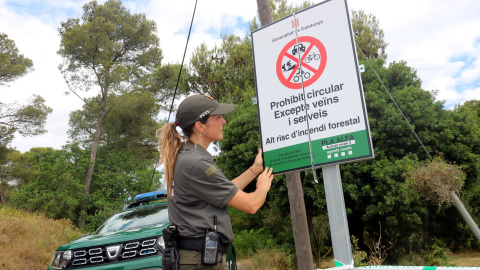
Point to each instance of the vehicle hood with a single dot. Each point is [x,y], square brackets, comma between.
[115,237]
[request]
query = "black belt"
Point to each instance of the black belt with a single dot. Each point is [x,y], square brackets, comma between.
[196,244]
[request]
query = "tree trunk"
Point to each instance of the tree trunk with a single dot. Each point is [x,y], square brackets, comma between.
[264,12]
[301,237]
[93,156]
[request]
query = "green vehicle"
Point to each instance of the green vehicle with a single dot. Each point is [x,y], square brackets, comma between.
[130,239]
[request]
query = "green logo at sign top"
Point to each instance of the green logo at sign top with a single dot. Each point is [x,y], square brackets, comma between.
[337,149]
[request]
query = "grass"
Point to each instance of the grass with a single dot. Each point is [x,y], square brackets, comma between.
[465,258]
[28,240]
[267,259]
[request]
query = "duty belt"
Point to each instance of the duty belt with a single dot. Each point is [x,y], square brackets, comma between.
[196,244]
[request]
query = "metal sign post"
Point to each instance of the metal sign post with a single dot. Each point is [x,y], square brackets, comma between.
[342,249]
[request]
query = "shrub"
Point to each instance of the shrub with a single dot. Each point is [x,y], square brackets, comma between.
[248,242]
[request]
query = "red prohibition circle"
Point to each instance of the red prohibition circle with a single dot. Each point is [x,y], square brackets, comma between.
[317,71]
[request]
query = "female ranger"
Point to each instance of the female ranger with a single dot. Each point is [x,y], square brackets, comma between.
[198,190]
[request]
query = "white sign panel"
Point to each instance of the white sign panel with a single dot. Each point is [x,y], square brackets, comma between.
[309,89]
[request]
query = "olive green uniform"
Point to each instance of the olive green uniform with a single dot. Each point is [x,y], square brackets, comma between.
[200,192]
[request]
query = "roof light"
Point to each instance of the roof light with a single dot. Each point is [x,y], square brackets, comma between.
[150,196]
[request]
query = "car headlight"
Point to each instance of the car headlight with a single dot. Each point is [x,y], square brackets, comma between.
[161,242]
[60,259]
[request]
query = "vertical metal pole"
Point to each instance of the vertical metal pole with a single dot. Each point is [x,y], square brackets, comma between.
[337,216]
[466,216]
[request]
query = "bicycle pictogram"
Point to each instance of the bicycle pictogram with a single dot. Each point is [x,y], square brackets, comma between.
[312,56]
[301,63]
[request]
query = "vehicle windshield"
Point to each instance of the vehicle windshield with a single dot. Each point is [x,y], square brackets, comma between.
[136,217]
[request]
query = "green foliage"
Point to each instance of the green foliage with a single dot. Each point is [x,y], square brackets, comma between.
[108,46]
[473,105]
[116,51]
[13,65]
[162,83]
[432,254]
[457,138]
[270,259]
[26,119]
[359,256]
[119,177]
[15,172]
[130,124]
[368,35]
[319,237]
[56,185]
[6,137]
[224,72]
[436,255]
[376,190]
[241,139]
[250,241]
[280,9]
[54,188]
[6,179]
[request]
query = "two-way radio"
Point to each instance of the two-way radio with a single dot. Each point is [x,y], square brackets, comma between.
[210,247]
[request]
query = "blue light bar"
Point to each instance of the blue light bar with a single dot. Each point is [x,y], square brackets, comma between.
[150,196]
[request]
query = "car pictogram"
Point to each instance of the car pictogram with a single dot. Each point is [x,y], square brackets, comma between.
[295,49]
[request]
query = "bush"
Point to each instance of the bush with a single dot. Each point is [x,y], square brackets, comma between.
[248,242]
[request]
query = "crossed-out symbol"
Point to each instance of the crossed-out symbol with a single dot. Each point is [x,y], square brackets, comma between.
[313,57]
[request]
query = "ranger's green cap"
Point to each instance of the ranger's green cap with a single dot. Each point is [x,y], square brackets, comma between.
[193,108]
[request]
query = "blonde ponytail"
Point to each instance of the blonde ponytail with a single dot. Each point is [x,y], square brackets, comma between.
[169,141]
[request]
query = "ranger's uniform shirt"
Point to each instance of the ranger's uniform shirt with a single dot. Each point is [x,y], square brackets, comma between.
[200,191]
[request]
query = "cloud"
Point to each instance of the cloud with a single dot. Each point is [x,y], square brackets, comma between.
[438,38]
[211,21]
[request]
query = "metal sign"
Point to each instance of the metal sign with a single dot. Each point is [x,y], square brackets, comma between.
[309,91]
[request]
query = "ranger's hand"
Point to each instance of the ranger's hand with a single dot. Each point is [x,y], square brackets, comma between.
[257,166]
[264,180]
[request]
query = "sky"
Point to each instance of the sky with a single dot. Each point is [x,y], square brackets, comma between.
[438,38]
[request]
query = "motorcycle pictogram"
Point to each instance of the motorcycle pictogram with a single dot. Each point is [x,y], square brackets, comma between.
[289,66]
[297,76]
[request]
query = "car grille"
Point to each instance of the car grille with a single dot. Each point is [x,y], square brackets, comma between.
[114,253]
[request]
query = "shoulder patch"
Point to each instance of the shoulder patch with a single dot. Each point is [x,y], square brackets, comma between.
[211,170]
